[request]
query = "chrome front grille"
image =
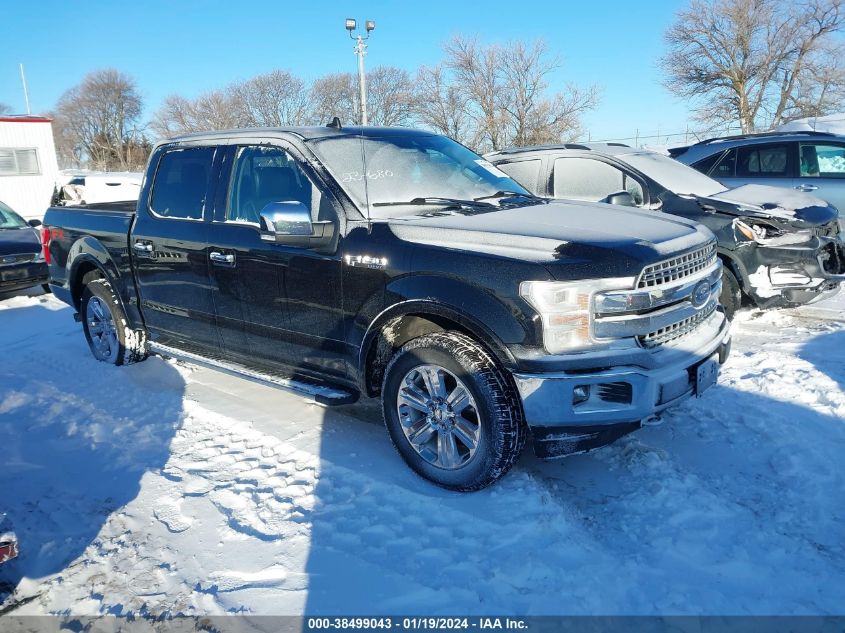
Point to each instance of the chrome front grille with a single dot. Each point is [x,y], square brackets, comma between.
[677,268]
[688,295]
[13,260]
[677,330]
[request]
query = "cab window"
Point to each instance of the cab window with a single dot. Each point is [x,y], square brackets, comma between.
[262,175]
[181,183]
[592,180]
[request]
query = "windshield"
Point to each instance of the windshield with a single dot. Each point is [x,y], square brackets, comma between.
[384,174]
[9,219]
[672,175]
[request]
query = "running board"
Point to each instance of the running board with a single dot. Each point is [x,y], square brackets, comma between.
[329,396]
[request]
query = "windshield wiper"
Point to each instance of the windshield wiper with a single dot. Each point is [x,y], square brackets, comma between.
[459,202]
[509,194]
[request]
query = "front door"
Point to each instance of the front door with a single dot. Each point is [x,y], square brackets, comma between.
[276,304]
[169,243]
[822,172]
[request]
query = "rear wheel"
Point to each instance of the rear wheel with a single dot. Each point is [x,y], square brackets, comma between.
[106,328]
[451,412]
[731,296]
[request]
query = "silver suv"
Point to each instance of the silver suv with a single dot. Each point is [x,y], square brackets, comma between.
[807,161]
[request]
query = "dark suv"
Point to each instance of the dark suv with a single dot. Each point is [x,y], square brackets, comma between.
[779,247]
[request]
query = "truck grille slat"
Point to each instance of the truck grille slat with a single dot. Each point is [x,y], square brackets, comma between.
[677,268]
[677,330]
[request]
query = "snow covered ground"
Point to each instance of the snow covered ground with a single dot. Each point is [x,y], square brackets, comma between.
[163,489]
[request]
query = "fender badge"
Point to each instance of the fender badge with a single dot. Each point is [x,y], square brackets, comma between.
[366,261]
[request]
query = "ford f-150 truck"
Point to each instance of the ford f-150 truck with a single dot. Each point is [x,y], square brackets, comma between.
[398,264]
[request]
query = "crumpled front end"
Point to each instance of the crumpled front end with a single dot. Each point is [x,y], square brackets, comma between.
[791,267]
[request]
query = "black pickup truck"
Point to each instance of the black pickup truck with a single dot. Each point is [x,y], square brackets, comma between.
[398,263]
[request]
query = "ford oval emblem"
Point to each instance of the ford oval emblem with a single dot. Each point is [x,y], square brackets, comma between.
[700,294]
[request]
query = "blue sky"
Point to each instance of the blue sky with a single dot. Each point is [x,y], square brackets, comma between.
[189,47]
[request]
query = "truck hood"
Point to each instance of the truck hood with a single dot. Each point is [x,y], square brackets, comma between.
[18,241]
[622,239]
[795,208]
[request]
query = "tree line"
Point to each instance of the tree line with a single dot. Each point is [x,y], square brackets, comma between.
[487,96]
[752,63]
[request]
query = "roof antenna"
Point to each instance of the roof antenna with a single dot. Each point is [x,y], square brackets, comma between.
[335,123]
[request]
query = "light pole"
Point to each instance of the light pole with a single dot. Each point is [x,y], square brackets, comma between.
[360,51]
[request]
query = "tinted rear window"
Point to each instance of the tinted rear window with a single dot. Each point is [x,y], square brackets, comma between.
[181,182]
[767,161]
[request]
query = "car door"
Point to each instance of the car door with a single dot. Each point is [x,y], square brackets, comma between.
[757,164]
[592,180]
[821,171]
[277,303]
[169,242]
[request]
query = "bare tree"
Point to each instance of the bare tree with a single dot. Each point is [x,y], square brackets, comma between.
[98,120]
[441,105]
[476,69]
[532,117]
[506,93]
[215,110]
[274,99]
[336,95]
[5,108]
[390,97]
[757,62]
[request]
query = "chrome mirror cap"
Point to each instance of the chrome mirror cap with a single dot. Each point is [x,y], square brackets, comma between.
[286,218]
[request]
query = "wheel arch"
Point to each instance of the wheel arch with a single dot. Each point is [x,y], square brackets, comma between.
[408,320]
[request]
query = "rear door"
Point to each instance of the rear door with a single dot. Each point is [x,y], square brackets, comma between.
[277,304]
[169,243]
[761,164]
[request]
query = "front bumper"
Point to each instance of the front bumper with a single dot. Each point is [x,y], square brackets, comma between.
[796,275]
[620,398]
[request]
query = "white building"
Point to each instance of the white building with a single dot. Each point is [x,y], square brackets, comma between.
[28,167]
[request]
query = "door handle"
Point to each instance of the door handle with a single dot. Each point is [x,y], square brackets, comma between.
[803,187]
[225,259]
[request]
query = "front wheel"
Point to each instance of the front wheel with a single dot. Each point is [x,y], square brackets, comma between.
[106,328]
[731,295]
[452,413]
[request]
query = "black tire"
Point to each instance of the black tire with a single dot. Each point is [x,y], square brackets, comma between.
[731,295]
[500,423]
[131,345]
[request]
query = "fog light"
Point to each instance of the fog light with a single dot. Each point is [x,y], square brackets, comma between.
[580,394]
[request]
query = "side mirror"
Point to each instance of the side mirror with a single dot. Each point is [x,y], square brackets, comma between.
[289,222]
[623,198]
[286,218]
[34,223]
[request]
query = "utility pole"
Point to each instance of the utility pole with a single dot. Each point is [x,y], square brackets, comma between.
[25,91]
[360,51]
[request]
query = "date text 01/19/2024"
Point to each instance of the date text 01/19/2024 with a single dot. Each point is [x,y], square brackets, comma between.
[416,623]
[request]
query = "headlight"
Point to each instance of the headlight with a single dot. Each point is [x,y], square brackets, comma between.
[769,235]
[39,257]
[757,231]
[566,310]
